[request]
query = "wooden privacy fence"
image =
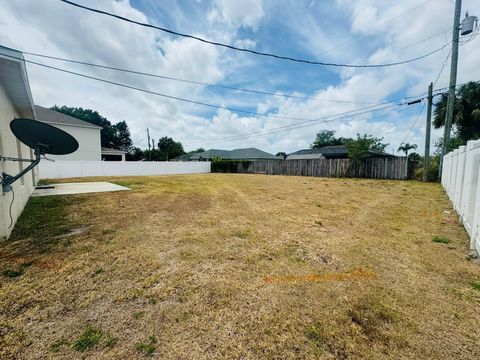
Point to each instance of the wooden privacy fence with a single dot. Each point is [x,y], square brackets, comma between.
[461,181]
[385,168]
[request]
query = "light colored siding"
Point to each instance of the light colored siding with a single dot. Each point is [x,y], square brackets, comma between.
[8,147]
[89,148]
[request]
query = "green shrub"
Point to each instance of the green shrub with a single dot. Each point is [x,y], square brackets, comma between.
[230,166]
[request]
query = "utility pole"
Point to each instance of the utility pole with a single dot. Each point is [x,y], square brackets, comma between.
[153,144]
[453,80]
[428,127]
[149,152]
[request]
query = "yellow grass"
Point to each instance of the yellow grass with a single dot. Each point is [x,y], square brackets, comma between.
[240,267]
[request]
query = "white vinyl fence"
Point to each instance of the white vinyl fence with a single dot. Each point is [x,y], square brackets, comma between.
[461,181]
[68,169]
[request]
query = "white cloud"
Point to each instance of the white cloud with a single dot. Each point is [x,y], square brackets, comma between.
[54,28]
[245,43]
[57,29]
[245,13]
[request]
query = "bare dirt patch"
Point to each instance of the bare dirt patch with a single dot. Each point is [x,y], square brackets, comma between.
[240,266]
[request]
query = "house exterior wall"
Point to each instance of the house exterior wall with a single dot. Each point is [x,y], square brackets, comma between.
[11,147]
[88,143]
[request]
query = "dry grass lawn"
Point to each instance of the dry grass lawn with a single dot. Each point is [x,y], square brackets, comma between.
[241,267]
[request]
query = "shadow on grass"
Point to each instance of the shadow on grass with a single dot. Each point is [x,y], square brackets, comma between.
[44,220]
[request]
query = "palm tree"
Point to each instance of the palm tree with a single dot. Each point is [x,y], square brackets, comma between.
[406,147]
[466,111]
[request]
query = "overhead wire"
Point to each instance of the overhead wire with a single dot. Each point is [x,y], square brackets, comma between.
[158,93]
[416,43]
[383,23]
[445,62]
[288,127]
[409,131]
[231,47]
[136,72]
[205,104]
[180,98]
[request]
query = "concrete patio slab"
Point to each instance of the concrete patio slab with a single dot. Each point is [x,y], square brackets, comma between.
[77,188]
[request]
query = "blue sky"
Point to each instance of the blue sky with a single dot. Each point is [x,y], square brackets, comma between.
[364,31]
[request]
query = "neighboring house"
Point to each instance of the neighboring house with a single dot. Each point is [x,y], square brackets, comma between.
[251,154]
[306,154]
[109,154]
[331,152]
[87,134]
[15,102]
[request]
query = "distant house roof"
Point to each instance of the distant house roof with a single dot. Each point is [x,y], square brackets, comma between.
[236,154]
[58,118]
[184,157]
[330,152]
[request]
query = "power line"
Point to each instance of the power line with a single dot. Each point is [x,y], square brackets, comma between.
[312,122]
[291,126]
[159,94]
[189,81]
[309,122]
[445,62]
[383,23]
[189,100]
[415,43]
[281,57]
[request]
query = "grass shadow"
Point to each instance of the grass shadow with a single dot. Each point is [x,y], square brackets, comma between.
[43,224]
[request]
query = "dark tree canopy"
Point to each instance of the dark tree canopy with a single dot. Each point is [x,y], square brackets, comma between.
[169,149]
[115,136]
[121,136]
[326,138]
[466,111]
[358,148]
[199,150]
[135,154]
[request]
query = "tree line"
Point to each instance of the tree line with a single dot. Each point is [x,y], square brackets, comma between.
[117,136]
[466,126]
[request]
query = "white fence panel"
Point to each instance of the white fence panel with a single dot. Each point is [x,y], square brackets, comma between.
[69,169]
[461,181]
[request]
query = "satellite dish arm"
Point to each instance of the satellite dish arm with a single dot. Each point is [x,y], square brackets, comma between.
[8,180]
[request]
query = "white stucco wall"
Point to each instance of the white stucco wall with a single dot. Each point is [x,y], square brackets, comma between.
[10,146]
[89,148]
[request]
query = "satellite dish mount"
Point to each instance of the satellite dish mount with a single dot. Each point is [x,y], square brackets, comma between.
[8,180]
[43,139]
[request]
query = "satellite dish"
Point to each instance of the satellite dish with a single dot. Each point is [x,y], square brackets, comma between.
[44,139]
[50,139]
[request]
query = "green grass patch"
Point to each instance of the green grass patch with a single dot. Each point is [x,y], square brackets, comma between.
[441,240]
[147,347]
[475,285]
[97,271]
[90,338]
[110,341]
[316,334]
[138,315]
